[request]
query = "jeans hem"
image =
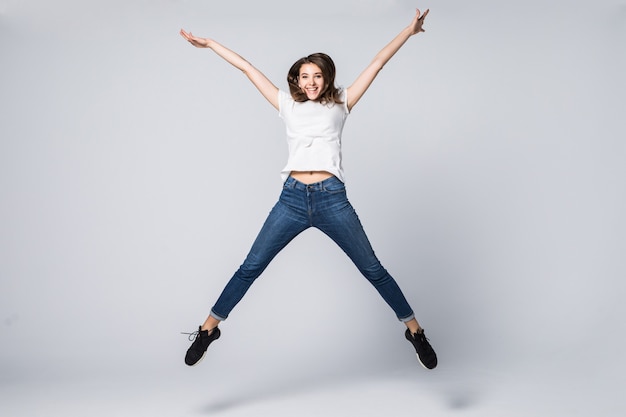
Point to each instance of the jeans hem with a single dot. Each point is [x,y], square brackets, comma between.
[407,319]
[217,316]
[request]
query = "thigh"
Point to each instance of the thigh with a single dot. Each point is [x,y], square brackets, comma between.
[280,227]
[344,227]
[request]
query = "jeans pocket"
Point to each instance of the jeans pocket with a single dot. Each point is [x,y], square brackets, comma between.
[335,187]
[288,184]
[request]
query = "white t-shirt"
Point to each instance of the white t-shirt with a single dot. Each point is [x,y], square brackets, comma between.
[313,134]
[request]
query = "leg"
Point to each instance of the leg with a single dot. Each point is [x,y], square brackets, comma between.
[281,226]
[344,227]
[278,230]
[338,219]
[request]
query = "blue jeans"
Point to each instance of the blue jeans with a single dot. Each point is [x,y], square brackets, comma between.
[323,205]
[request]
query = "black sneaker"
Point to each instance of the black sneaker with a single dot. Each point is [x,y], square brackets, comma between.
[425,353]
[200,344]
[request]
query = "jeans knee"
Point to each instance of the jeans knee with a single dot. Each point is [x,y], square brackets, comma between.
[376,274]
[249,271]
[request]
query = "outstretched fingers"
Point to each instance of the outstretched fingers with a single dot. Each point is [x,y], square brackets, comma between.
[418,21]
[195,41]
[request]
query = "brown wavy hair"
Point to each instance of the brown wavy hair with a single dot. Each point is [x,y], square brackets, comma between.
[330,93]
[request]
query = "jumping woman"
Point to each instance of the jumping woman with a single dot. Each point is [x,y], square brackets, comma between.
[313,195]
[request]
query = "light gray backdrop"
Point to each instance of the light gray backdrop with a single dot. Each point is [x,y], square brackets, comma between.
[486,163]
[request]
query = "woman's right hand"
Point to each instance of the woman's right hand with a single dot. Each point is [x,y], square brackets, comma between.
[194,40]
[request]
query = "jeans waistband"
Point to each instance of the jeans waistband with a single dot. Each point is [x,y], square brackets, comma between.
[291,182]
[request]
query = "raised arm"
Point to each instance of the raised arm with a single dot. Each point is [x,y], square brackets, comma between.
[260,81]
[365,79]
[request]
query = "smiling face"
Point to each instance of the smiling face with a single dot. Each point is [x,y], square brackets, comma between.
[311,81]
[312,78]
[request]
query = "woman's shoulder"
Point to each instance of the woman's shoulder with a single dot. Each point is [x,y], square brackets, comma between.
[285,102]
[284,96]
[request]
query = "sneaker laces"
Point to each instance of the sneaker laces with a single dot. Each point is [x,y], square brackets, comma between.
[423,341]
[420,337]
[192,336]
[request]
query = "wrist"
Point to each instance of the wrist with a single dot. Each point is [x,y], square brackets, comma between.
[408,31]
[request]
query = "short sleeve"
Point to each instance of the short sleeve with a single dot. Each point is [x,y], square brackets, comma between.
[284,100]
[344,97]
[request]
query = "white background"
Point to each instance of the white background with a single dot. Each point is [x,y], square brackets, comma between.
[486,163]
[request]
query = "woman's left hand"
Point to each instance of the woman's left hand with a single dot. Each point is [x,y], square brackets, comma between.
[418,22]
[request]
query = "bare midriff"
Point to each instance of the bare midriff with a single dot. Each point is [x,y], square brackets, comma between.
[310,177]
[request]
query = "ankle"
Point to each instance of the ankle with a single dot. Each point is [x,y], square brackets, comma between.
[208,330]
[415,330]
